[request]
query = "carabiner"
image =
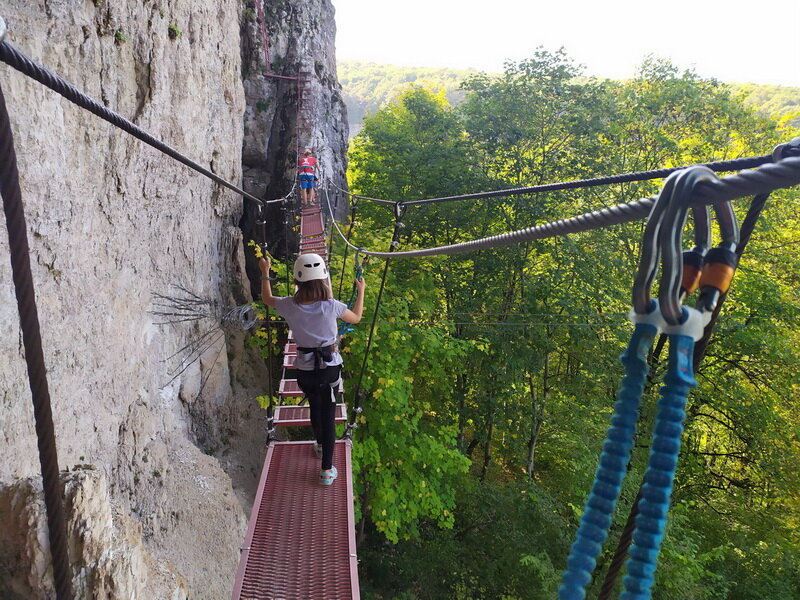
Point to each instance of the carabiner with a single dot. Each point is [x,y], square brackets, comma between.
[399,210]
[358,267]
[721,261]
[652,249]
[693,259]
[670,240]
[650,253]
[790,148]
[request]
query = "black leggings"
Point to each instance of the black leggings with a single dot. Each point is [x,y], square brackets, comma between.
[319,388]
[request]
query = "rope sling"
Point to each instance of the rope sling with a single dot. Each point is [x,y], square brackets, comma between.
[682,326]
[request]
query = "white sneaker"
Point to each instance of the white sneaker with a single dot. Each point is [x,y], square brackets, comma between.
[327,477]
[318,449]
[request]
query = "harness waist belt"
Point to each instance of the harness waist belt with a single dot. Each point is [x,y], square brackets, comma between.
[321,355]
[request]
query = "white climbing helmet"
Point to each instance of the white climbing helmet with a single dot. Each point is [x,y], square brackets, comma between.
[309,267]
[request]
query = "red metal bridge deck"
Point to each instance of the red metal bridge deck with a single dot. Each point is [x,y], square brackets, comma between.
[300,542]
[295,416]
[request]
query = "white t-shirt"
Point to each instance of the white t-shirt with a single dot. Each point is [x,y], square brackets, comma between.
[314,326]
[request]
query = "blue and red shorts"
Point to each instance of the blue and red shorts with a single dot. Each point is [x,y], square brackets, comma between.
[307,181]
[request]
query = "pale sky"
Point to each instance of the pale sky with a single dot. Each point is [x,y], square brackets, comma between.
[734,40]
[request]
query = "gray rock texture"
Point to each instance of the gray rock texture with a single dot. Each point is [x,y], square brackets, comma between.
[161,462]
[300,42]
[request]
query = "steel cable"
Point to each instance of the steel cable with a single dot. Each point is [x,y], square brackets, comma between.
[14,58]
[749,162]
[34,355]
[767,178]
[358,197]
[395,242]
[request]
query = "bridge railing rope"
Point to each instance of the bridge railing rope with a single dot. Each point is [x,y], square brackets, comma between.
[767,178]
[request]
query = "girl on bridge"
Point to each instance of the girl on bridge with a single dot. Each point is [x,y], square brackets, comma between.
[312,314]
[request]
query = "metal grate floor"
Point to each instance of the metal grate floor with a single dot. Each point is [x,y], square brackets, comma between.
[294,415]
[300,544]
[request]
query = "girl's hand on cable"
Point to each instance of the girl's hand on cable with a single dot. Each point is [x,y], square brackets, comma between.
[360,284]
[264,264]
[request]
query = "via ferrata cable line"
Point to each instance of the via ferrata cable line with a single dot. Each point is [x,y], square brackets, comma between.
[34,354]
[767,178]
[262,244]
[12,57]
[358,267]
[749,162]
[353,207]
[358,272]
[398,225]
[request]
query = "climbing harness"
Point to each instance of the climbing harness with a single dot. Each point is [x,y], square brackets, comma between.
[322,355]
[683,327]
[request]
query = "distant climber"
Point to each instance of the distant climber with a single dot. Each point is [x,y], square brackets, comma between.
[311,314]
[307,172]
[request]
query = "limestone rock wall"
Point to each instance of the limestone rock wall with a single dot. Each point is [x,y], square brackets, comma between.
[300,40]
[106,548]
[162,462]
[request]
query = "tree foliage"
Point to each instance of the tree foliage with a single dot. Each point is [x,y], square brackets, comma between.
[493,373]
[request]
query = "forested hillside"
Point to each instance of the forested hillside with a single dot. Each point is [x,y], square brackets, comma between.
[368,87]
[492,374]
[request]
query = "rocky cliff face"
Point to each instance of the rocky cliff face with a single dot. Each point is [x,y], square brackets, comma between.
[162,461]
[294,101]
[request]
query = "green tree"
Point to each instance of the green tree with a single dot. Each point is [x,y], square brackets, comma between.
[508,357]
